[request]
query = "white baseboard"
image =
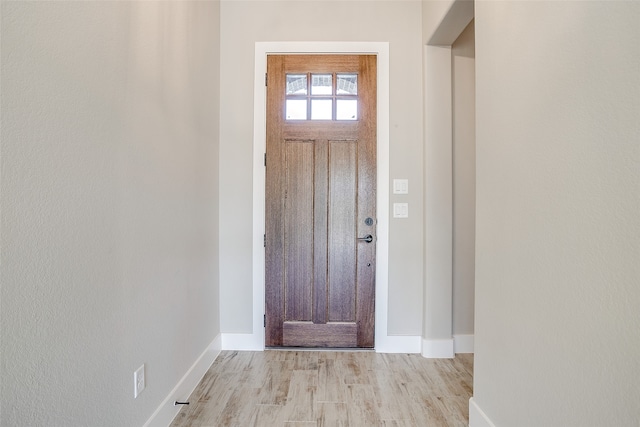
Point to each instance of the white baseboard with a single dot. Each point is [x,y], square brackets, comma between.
[243,342]
[386,344]
[438,349]
[463,343]
[477,417]
[166,412]
[398,344]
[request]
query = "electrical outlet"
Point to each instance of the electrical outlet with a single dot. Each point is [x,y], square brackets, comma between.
[138,381]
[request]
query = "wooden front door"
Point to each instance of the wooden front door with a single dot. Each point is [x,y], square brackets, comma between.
[320,200]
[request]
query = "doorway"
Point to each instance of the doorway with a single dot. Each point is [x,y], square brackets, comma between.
[320,251]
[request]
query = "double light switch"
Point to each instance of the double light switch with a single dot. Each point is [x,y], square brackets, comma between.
[401,210]
[400,186]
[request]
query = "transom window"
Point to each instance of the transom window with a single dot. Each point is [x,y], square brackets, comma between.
[323,96]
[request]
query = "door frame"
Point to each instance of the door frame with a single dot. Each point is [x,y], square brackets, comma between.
[383,343]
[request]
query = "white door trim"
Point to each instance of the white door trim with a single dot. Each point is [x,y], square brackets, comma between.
[383,342]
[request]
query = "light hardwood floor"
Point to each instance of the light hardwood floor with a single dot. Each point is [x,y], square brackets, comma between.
[327,388]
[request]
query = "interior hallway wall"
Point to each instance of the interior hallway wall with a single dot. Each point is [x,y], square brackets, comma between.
[443,23]
[108,205]
[463,86]
[243,24]
[558,197]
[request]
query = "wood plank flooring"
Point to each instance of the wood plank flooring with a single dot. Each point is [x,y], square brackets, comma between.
[327,388]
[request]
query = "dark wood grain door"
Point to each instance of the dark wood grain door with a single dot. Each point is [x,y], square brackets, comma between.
[320,200]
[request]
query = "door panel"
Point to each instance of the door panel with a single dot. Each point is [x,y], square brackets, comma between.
[298,220]
[342,229]
[308,334]
[320,225]
[320,191]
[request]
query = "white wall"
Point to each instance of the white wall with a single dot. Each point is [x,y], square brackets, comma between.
[438,202]
[243,24]
[443,22]
[109,211]
[558,202]
[463,88]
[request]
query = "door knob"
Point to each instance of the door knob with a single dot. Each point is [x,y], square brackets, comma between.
[368,238]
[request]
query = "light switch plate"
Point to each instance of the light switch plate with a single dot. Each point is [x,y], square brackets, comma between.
[400,186]
[401,210]
[138,381]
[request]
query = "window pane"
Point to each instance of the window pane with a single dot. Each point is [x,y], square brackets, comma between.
[321,84]
[296,109]
[347,84]
[347,109]
[321,109]
[296,84]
